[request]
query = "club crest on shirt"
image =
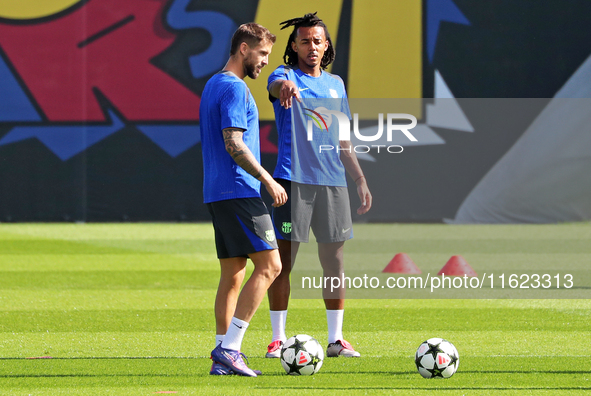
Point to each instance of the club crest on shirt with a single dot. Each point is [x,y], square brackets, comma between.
[286,227]
[270,235]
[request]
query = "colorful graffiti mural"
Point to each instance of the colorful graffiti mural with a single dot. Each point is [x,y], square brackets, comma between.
[99,99]
[75,72]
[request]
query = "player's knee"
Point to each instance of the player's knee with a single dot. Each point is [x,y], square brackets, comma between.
[333,269]
[268,265]
[235,282]
[268,275]
[275,268]
[285,269]
[286,259]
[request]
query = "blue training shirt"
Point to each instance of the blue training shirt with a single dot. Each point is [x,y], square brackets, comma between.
[226,102]
[300,160]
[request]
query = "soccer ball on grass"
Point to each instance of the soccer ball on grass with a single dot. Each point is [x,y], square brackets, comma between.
[437,358]
[301,355]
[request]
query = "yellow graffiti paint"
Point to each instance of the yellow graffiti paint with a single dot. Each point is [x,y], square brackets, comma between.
[269,14]
[385,57]
[33,9]
[385,54]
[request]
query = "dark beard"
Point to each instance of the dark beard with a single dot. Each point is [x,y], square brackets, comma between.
[250,69]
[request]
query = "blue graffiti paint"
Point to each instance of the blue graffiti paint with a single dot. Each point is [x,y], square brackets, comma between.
[173,139]
[65,141]
[14,104]
[441,11]
[220,27]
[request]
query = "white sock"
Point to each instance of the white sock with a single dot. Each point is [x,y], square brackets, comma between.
[219,338]
[334,318]
[235,334]
[278,319]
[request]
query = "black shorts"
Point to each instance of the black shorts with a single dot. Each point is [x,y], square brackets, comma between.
[325,209]
[242,226]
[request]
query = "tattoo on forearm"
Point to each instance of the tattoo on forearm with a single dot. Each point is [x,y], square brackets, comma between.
[239,151]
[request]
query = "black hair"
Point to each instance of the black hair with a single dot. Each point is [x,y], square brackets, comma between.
[290,57]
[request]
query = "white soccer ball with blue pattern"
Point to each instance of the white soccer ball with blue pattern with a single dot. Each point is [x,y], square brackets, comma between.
[302,355]
[437,358]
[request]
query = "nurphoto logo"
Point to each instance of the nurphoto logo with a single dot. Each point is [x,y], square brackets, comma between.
[396,122]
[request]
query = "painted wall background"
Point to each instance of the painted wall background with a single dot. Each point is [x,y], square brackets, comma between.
[99,98]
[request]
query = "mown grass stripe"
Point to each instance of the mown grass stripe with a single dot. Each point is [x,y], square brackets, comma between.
[110,280]
[368,319]
[107,262]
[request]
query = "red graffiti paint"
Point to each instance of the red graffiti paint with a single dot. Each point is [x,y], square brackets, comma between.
[105,44]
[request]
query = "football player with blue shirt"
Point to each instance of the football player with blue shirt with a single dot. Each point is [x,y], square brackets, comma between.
[231,189]
[315,181]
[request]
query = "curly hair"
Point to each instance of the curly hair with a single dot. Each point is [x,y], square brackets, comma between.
[290,57]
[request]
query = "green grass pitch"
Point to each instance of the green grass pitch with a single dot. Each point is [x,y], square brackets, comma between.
[127,309]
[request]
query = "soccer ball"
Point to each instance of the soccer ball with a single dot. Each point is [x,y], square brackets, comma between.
[437,358]
[301,355]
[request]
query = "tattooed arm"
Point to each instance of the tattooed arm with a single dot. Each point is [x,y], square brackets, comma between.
[241,154]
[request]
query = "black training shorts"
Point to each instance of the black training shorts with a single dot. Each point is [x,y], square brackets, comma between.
[242,226]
